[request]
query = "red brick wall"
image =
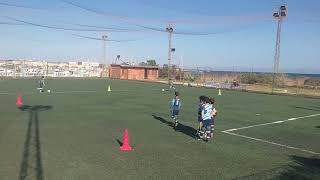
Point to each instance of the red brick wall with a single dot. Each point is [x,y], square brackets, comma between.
[152,74]
[115,72]
[134,73]
[124,73]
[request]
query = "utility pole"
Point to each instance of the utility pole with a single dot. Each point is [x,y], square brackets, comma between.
[104,46]
[279,15]
[169,29]
[181,69]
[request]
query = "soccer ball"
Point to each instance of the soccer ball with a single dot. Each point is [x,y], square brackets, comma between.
[162,89]
[49,91]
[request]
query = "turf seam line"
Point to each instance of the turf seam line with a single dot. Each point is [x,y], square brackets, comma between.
[273,143]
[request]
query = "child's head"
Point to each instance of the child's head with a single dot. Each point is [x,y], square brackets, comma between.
[176,93]
[202,99]
[212,100]
[207,100]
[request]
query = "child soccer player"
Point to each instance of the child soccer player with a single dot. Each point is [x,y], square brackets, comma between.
[175,108]
[206,119]
[201,105]
[214,114]
[41,84]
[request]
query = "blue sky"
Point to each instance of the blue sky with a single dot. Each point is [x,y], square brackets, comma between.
[242,32]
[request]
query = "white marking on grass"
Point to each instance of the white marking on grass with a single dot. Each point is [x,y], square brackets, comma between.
[273,143]
[6,93]
[270,123]
[67,92]
[229,131]
[57,92]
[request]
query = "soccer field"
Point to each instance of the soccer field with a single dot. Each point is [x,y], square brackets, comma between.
[73,133]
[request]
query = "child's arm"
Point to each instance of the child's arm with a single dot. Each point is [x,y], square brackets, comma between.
[214,112]
[172,104]
[202,114]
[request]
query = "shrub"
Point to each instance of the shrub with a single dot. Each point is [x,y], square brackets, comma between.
[312,82]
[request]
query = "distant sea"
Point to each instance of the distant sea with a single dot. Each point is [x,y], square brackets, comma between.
[303,75]
[290,75]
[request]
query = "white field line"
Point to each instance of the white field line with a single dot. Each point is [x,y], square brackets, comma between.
[270,142]
[7,93]
[229,131]
[66,92]
[265,124]
[55,92]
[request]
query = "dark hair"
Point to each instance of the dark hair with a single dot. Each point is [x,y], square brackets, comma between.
[207,100]
[176,93]
[202,98]
[212,100]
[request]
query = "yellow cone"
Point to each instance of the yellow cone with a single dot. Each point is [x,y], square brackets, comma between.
[109,88]
[219,92]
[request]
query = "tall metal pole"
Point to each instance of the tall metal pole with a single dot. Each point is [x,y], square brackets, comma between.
[104,46]
[276,55]
[170,31]
[279,15]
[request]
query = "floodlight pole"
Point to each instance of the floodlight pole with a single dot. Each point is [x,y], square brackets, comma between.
[169,29]
[104,46]
[279,15]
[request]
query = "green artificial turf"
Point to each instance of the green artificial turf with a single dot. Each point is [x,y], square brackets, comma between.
[73,133]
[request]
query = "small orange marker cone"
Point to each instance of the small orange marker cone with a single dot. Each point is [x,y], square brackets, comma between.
[19,101]
[125,146]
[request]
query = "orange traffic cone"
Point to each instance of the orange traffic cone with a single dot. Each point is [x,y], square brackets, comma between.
[125,146]
[19,101]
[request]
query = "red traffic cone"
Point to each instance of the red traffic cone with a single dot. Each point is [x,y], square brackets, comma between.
[19,101]
[125,146]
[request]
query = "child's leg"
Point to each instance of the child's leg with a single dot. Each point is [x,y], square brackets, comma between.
[208,132]
[175,114]
[212,130]
[204,129]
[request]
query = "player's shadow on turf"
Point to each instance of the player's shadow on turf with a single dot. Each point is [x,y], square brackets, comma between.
[169,123]
[31,164]
[304,168]
[187,130]
[317,126]
[119,142]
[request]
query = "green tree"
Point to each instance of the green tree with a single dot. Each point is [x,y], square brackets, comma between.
[151,62]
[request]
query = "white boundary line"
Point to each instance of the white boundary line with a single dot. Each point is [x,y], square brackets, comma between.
[276,122]
[65,92]
[270,142]
[7,93]
[54,92]
[230,132]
